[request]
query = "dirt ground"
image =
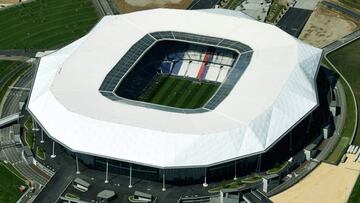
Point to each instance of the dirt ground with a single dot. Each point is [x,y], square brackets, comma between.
[326,26]
[127,6]
[8,1]
[327,183]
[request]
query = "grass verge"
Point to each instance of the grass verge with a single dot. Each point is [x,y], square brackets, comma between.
[10,182]
[275,9]
[40,153]
[277,168]
[355,193]
[351,3]
[232,185]
[347,61]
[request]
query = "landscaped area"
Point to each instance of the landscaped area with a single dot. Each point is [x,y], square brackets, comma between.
[44,24]
[232,4]
[240,183]
[9,184]
[347,61]
[277,168]
[40,153]
[275,9]
[355,193]
[29,133]
[232,185]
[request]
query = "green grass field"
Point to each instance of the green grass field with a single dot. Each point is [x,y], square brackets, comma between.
[178,92]
[9,184]
[45,24]
[352,3]
[347,61]
[355,193]
[40,153]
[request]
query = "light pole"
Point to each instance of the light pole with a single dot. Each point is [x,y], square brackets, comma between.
[205,183]
[53,151]
[107,171]
[77,165]
[42,136]
[130,186]
[163,188]
[235,178]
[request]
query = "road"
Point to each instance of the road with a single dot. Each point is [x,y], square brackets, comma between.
[341,9]
[14,96]
[13,153]
[338,43]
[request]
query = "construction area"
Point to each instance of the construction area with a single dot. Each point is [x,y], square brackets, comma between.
[326,25]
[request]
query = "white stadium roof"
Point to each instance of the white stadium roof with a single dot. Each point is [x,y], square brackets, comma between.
[276,90]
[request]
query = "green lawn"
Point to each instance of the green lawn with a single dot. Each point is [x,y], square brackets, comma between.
[30,138]
[179,92]
[9,184]
[28,123]
[29,133]
[347,61]
[338,151]
[44,24]
[355,193]
[40,153]
[352,3]
[252,179]
[231,185]
[277,168]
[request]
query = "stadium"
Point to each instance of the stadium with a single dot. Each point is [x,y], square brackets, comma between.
[179,95]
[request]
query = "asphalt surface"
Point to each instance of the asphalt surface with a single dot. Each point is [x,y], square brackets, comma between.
[203,4]
[294,21]
[11,104]
[338,43]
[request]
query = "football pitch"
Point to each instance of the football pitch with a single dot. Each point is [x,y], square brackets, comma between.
[45,24]
[179,92]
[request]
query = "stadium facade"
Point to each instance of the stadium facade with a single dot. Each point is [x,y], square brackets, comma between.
[266,92]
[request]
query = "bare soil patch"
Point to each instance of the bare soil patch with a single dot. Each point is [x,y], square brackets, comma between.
[127,6]
[326,26]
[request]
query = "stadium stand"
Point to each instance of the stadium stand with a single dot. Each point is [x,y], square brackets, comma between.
[193,61]
[223,73]
[212,72]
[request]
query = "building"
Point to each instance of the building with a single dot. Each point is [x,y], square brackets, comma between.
[265,86]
